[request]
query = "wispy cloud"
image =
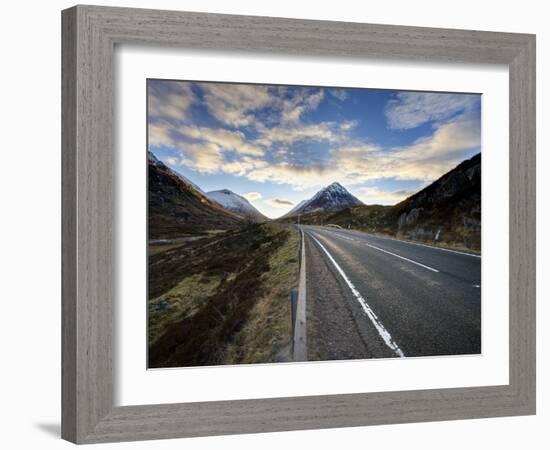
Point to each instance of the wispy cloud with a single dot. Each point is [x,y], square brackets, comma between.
[234,104]
[376,196]
[279,203]
[411,109]
[169,100]
[289,134]
[251,196]
[204,157]
[160,133]
[226,139]
[348,124]
[340,94]
[295,106]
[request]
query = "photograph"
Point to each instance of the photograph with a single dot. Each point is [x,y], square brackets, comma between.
[290,223]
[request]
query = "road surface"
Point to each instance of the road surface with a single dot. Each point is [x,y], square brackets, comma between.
[376,297]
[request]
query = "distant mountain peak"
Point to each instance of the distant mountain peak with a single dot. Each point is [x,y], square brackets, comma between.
[237,204]
[333,197]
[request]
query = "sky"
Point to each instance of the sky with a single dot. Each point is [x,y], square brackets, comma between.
[277,145]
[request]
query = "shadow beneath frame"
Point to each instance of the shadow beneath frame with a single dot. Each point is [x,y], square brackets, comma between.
[53,429]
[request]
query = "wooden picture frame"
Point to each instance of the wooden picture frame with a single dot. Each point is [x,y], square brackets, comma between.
[90,34]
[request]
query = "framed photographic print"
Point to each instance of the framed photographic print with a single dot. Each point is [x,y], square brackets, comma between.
[277,224]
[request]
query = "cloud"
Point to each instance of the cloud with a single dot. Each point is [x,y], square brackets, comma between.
[348,124]
[251,196]
[375,196]
[237,105]
[233,104]
[215,143]
[411,109]
[340,94]
[226,139]
[203,157]
[266,136]
[287,135]
[350,161]
[354,161]
[169,100]
[243,166]
[298,177]
[159,133]
[298,104]
[279,203]
[425,159]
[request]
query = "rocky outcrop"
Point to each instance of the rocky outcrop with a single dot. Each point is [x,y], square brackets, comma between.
[409,218]
[447,210]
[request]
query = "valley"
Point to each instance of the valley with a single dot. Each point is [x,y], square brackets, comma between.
[220,272]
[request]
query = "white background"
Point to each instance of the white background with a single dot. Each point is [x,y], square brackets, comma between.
[135,386]
[30,225]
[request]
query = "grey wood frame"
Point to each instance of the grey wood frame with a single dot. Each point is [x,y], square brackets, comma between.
[90,34]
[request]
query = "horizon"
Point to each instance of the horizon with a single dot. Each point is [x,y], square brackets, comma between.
[278,145]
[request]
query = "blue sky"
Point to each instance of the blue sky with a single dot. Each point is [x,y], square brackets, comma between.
[277,145]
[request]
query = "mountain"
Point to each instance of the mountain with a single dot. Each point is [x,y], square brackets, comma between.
[153,160]
[449,208]
[448,211]
[237,204]
[177,207]
[329,199]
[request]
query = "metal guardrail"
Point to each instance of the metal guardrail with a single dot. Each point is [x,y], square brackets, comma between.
[298,307]
[293,308]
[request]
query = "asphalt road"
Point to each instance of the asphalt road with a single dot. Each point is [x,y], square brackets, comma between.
[375,297]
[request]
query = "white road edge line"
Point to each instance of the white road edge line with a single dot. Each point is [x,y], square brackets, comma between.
[384,334]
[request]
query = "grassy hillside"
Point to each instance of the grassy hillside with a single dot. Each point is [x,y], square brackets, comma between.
[177,209]
[223,299]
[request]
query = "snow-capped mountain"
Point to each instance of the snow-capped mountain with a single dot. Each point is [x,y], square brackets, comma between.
[331,198]
[237,204]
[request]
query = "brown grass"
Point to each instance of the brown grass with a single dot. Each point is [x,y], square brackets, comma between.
[229,295]
[266,335]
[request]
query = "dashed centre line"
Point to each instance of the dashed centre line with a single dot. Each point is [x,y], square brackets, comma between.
[402,257]
[387,251]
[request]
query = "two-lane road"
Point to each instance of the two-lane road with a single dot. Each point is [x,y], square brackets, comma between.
[375,297]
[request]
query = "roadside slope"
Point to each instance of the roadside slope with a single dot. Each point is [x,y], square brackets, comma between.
[177,207]
[223,299]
